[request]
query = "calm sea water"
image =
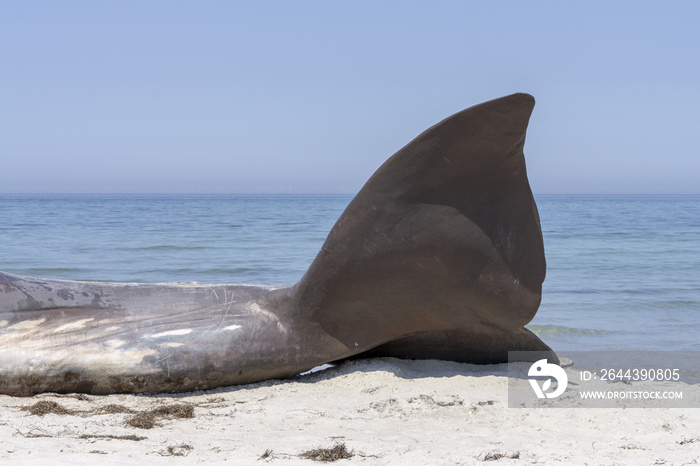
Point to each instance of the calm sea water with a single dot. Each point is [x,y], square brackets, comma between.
[623,271]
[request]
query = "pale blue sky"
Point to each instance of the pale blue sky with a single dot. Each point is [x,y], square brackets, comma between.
[312,96]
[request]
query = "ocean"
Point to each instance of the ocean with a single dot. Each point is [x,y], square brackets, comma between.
[623,272]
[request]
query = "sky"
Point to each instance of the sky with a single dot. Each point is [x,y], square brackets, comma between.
[312,96]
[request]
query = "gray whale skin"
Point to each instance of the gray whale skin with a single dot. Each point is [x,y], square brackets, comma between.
[439,256]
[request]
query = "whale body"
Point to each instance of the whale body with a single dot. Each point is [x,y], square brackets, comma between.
[439,256]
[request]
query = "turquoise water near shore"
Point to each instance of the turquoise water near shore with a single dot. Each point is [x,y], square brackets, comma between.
[623,272]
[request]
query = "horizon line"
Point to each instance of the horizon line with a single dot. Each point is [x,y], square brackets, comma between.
[315,194]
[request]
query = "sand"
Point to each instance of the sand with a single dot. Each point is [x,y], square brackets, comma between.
[382,411]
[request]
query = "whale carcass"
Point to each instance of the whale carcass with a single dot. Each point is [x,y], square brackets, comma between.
[440,255]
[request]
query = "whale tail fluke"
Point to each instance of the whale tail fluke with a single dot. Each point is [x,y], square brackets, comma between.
[441,249]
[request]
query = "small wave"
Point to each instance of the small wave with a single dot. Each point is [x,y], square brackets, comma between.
[192,271]
[223,271]
[166,247]
[550,330]
[678,304]
[40,272]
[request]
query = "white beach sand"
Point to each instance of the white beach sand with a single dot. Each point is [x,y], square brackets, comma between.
[384,411]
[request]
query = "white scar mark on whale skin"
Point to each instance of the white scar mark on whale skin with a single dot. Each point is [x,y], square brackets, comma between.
[223,319]
[257,309]
[99,360]
[172,345]
[74,325]
[172,333]
[232,327]
[27,324]
[115,343]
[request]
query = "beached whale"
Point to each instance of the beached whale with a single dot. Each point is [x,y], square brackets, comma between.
[440,255]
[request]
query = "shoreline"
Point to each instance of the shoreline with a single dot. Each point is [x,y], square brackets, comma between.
[383,411]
